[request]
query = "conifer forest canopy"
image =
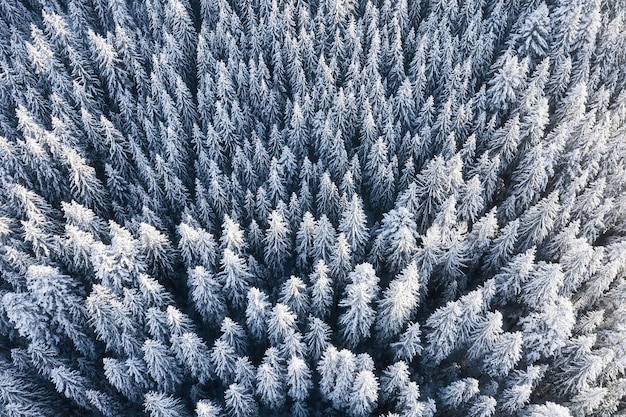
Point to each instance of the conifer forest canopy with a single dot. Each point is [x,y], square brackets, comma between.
[307,208]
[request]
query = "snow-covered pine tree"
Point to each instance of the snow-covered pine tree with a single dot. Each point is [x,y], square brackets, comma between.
[204,206]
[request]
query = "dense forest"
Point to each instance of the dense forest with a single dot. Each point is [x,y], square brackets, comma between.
[399,208]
